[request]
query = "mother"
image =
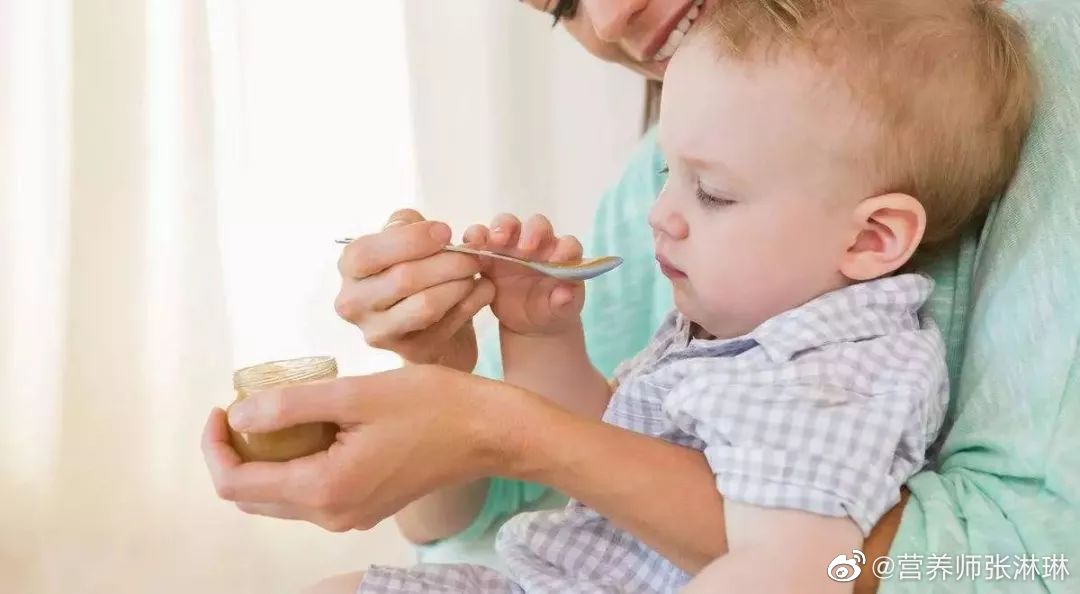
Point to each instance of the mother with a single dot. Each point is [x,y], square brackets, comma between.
[433,433]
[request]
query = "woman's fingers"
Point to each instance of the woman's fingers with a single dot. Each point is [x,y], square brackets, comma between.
[483,293]
[271,510]
[424,309]
[233,479]
[505,229]
[403,216]
[384,290]
[402,242]
[278,488]
[278,408]
[216,448]
[416,312]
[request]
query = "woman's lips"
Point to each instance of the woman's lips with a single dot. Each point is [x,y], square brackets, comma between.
[665,31]
[668,270]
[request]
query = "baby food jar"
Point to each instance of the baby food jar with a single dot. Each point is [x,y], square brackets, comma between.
[291,442]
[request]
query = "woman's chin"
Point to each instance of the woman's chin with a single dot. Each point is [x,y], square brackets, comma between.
[651,69]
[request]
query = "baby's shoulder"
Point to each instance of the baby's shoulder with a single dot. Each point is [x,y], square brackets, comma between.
[908,362]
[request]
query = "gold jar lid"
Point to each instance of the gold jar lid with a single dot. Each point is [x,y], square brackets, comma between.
[280,373]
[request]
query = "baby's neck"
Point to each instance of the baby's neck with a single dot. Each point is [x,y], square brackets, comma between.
[696,331]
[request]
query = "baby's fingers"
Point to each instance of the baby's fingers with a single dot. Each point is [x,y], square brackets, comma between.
[537,235]
[560,296]
[476,236]
[504,231]
[567,249]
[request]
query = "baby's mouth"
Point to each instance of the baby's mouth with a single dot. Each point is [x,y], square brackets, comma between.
[668,270]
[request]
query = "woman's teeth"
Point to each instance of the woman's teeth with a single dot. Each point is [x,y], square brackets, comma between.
[678,33]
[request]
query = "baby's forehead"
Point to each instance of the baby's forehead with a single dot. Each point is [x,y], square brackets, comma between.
[779,109]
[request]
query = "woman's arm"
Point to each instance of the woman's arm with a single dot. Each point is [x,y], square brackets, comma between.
[408,432]
[662,493]
[804,543]
[676,511]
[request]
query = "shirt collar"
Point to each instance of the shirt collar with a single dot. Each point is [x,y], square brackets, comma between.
[857,312]
[861,311]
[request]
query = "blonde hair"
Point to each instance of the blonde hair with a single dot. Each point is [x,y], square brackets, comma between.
[949,82]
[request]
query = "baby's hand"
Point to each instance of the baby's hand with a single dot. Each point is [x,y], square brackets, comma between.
[527,302]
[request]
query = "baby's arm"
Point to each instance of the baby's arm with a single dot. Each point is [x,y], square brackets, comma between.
[557,367]
[540,329]
[773,550]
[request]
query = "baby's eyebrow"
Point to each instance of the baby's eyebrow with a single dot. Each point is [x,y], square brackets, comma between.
[698,162]
[723,169]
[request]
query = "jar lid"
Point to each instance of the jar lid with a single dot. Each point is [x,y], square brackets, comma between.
[289,371]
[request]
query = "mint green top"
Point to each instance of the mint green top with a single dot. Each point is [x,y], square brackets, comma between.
[1007,477]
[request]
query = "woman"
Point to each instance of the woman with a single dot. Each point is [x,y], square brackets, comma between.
[432,431]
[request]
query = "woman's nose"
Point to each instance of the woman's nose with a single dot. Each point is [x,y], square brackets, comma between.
[666,220]
[611,17]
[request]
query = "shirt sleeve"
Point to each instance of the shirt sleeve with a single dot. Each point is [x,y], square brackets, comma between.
[810,443]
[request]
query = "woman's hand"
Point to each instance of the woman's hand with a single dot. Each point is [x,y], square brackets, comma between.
[527,302]
[404,433]
[408,296]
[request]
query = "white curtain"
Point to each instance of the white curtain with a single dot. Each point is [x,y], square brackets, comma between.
[512,115]
[172,182]
[172,176]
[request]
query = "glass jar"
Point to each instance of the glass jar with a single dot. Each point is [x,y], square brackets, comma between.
[291,442]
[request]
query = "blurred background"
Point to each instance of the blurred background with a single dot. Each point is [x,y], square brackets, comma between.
[172,176]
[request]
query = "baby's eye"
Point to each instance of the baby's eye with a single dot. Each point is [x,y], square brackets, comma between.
[711,201]
[663,170]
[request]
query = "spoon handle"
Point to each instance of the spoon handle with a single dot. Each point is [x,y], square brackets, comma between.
[577,271]
[462,249]
[467,250]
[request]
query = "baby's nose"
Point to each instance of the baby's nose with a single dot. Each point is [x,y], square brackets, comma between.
[667,221]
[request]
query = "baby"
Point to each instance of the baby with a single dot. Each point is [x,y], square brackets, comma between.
[814,148]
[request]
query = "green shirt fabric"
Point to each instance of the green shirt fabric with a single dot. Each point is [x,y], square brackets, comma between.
[1006,480]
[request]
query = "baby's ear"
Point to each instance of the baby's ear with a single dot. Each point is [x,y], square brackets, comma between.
[888,228]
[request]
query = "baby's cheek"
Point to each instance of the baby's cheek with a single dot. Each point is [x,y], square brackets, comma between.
[728,283]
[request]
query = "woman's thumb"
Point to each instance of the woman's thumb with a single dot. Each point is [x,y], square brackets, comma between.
[270,410]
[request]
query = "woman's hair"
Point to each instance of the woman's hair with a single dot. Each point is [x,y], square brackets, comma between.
[651,113]
[564,9]
[948,84]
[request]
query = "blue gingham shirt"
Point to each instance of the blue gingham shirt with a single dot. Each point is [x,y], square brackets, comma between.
[826,408]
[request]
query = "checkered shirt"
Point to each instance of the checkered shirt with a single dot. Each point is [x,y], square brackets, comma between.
[826,408]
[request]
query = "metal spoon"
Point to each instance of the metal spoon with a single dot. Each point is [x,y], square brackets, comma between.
[578,270]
